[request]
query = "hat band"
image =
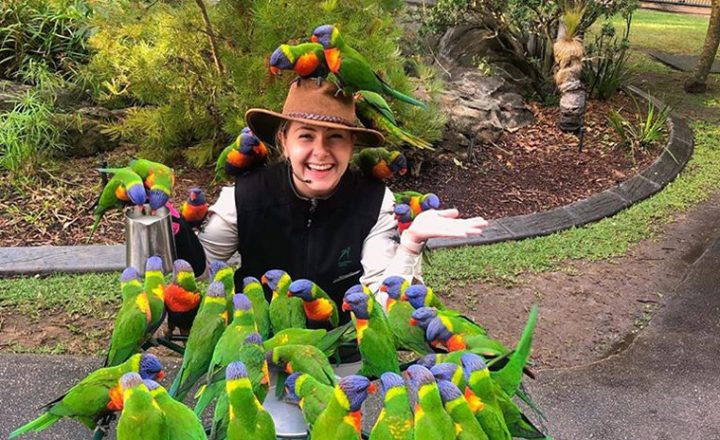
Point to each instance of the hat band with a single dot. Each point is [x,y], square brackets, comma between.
[321,118]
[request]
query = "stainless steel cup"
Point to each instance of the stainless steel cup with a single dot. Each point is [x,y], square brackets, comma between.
[148,235]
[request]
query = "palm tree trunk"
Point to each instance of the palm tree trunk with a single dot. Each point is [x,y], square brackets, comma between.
[697,83]
[568,53]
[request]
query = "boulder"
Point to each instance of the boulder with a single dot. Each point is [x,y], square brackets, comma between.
[84,130]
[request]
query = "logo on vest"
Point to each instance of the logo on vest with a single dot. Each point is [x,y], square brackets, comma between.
[344,258]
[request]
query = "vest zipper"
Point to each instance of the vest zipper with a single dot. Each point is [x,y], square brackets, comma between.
[313,205]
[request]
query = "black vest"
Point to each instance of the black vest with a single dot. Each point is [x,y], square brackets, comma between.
[319,239]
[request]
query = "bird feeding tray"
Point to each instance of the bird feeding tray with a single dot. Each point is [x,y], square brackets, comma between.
[148,234]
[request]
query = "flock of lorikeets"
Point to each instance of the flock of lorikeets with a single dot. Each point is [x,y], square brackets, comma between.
[461,385]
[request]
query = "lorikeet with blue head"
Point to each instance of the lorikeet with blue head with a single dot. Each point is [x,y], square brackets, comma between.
[342,419]
[285,312]
[98,394]
[374,112]
[247,418]
[182,298]
[209,325]
[431,419]
[318,306]
[403,215]
[159,179]
[399,313]
[396,421]
[141,417]
[453,321]
[419,295]
[132,323]
[375,339]
[182,423]
[351,68]
[124,188]
[450,372]
[380,163]
[304,358]
[310,394]
[440,332]
[243,155]
[417,202]
[466,425]
[487,411]
[307,60]
[261,309]
[221,272]
[195,208]
[155,290]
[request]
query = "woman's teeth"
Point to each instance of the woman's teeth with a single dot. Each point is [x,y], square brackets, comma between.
[315,167]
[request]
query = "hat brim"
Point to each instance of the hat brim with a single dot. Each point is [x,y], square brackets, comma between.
[264,124]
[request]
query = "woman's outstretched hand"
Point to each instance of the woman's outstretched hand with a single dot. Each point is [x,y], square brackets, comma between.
[439,223]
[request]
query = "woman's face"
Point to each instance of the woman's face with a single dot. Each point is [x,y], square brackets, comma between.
[319,156]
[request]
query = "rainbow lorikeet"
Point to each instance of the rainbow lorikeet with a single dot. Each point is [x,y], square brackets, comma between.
[182,423]
[396,421]
[318,306]
[375,340]
[466,425]
[141,417]
[132,323]
[431,420]
[246,153]
[399,313]
[510,375]
[310,394]
[124,188]
[247,418]
[221,272]
[253,289]
[440,332]
[159,179]
[326,341]
[418,202]
[182,298]
[450,372]
[304,358]
[380,163]
[374,112]
[98,394]
[488,411]
[285,312]
[451,319]
[195,208]
[209,325]
[420,295]
[403,215]
[155,290]
[307,60]
[341,419]
[351,68]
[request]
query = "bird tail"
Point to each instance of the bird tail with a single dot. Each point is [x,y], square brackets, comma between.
[411,139]
[205,395]
[94,227]
[332,339]
[108,170]
[41,423]
[402,97]
[175,387]
[510,376]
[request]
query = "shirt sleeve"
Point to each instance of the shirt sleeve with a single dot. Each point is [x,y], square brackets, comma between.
[219,237]
[382,254]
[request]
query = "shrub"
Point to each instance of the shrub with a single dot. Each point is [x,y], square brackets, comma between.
[604,67]
[643,129]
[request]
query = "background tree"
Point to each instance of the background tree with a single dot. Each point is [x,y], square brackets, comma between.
[697,83]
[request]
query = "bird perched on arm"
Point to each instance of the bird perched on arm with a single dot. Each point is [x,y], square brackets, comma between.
[124,188]
[141,417]
[159,179]
[195,208]
[374,112]
[246,153]
[380,163]
[317,304]
[307,60]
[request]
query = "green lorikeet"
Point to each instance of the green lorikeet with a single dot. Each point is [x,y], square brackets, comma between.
[155,290]
[318,306]
[311,395]
[307,60]
[341,419]
[159,179]
[303,358]
[399,314]
[481,397]
[209,326]
[243,155]
[141,417]
[326,341]
[182,298]
[182,423]
[284,312]
[438,333]
[466,425]
[261,309]
[380,163]
[351,68]
[396,421]
[99,393]
[247,418]
[131,326]
[221,272]
[374,112]
[125,187]
[431,420]
[195,208]
[375,340]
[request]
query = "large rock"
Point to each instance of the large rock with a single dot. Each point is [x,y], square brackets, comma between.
[10,93]
[480,109]
[84,130]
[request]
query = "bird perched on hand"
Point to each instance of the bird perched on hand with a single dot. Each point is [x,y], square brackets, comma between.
[341,419]
[124,188]
[418,202]
[351,68]
[247,417]
[431,420]
[307,60]
[195,208]
[246,153]
[98,394]
[182,298]
[395,421]
[141,417]
[380,163]
[374,112]
[182,423]
[318,305]
[159,179]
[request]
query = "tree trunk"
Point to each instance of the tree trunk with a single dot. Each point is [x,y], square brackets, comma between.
[697,83]
[211,36]
[568,53]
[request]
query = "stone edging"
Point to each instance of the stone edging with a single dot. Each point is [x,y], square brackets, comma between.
[676,154]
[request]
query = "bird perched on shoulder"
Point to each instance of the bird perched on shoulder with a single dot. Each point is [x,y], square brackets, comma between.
[124,188]
[380,163]
[351,68]
[195,208]
[246,153]
[374,112]
[307,60]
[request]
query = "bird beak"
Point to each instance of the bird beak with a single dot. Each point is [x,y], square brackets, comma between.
[383,288]
[413,322]
[314,39]
[289,368]
[193,196]
[346,307]
[274,70]
[263,279]
[289,294]
[403,297]
[372,388]
[402,171]
[160,375]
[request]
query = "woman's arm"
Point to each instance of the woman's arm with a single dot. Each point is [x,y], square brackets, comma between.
[219,236]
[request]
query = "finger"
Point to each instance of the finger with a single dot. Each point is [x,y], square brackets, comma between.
[448,213]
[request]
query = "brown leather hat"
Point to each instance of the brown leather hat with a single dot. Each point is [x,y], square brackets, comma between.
[315,104]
